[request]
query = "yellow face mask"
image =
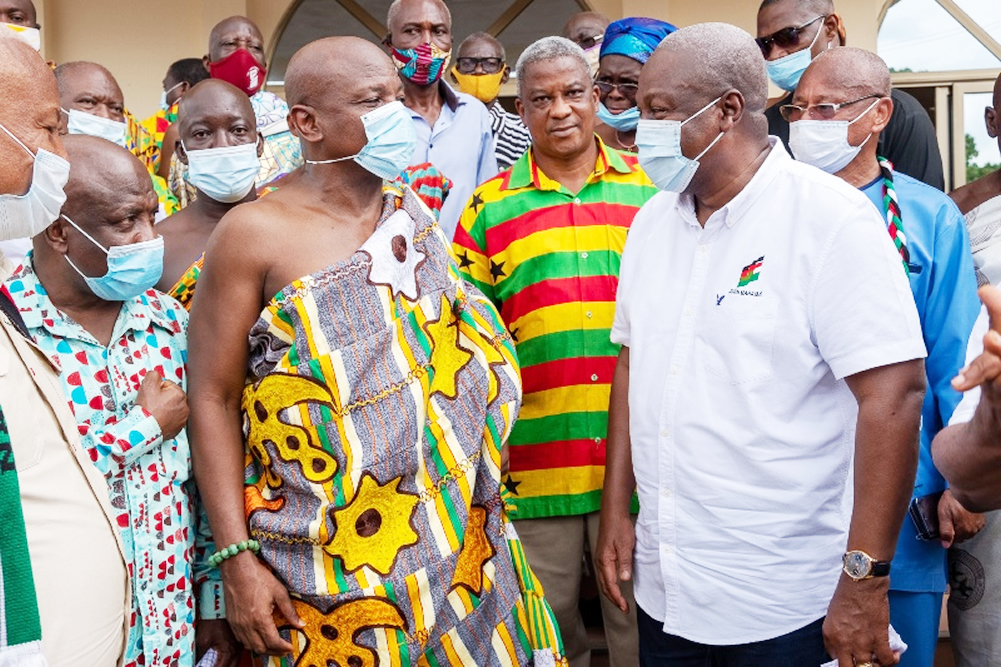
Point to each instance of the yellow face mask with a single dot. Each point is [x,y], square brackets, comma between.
[484,87]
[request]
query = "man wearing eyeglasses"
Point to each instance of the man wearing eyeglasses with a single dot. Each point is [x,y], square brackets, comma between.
[480,70]
[587,30]
[791,33]
[839,109]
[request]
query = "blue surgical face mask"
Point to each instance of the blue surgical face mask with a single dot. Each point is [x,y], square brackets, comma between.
[624,121]
[132,269]
[659,145]
[163,96]
[225,174]
[81,122]
[391,142]
[786,71]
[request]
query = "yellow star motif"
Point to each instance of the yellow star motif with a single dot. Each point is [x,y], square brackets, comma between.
[476,552]
[447,357]
[374,526]
[333,637]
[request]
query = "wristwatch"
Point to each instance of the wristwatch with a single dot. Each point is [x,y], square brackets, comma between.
[859,565]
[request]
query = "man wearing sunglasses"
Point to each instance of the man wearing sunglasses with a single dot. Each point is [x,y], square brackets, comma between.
[480,70]
[791,33]
[839,109]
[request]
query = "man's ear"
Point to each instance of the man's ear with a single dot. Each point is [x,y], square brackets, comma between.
[507,75]
[180,152]
[993,122]
[260,144]
[839,28]
[883,110]
[733,109]
[302,123]
[387,42]
[55,235]
[519,108]
[206,61]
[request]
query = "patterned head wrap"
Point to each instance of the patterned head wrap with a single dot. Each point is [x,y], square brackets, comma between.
[635,37]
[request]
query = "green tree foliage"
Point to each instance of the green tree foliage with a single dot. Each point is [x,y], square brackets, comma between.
[973,171]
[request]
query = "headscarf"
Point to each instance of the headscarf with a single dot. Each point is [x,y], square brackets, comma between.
[634,37]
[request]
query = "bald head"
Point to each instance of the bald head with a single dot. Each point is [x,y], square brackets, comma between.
[328,65]
[393,16]
[472,46]
[210,98]
[585,25]
[997,93]
[233,33]
[710,59]
[848,72]
[90,88]
[821,7]
[29,109]
[101,173]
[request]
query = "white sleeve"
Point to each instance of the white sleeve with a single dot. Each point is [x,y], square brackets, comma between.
[628,275]
[863,311]
[964,411]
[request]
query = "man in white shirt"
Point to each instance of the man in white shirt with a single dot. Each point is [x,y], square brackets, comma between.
[782,343]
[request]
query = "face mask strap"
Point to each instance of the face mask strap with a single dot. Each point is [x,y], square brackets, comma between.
[700,111]
[333,160]
[867,110]
[92,240]
[19,142]
[711,144]
[174,86]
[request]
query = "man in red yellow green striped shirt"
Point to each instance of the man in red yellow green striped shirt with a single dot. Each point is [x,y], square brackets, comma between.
[543,241]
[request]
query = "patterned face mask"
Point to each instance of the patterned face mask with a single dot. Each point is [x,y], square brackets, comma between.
[423,65]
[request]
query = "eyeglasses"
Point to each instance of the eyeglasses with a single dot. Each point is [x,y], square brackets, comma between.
[490,65]
[590,42]
[786,38]
[626,89]
[792,113]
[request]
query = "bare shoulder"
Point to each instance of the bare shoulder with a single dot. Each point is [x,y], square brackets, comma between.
[976,193]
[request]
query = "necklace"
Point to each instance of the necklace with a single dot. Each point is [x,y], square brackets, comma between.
[891,208]
[623,146]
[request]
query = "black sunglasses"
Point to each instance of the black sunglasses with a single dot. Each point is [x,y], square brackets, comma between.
[626,89]
[468,65]
[786,38]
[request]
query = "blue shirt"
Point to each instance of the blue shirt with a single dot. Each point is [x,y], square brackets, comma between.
[945,291]
[461,146]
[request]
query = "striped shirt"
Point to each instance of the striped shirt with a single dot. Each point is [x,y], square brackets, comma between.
[549,260]
[510,135]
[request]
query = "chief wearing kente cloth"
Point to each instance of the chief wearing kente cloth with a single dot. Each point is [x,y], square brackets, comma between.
[376,392]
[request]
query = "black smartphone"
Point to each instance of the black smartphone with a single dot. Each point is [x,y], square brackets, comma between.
[924,513]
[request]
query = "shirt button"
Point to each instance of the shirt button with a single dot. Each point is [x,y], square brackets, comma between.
[665,492]
[576,200]
[688,312]
[665,433]
[674,370]
[583,255]
[589,314]
[594,378]
[597,441]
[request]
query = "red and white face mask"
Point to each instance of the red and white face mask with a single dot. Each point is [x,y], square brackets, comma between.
[241,69]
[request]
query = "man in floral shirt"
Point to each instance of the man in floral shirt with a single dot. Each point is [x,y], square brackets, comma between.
[84,294]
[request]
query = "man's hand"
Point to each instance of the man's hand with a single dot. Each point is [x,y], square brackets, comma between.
[614,557]
[166,401]
[955,524]
[858,618]
[985,370]
[252,594]
[216,633]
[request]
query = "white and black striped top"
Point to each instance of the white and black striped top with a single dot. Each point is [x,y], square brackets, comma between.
[511,137]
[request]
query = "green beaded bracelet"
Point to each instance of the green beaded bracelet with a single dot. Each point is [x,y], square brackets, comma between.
[232,550]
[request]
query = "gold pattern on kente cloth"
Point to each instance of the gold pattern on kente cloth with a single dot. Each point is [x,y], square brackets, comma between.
[263,405]
[476,552]
[333,637]
[374,526]
[253,500]
[447,357]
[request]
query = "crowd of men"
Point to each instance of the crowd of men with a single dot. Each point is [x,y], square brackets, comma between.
[444,359]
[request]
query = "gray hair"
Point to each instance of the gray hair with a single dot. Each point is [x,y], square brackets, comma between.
[725,57]
[394,9]
[483,37]
[550,48]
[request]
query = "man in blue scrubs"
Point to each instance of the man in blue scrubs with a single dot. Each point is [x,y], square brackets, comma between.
[840,107]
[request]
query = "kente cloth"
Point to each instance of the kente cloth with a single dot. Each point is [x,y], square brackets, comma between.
[157,125]
[984,226]
[282,153]
[635,37]
[548,258]
[184,289]
[381,390]
[141,143]
[20,627]
[163,526]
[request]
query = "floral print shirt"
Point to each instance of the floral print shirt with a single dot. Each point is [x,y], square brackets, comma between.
[149,479]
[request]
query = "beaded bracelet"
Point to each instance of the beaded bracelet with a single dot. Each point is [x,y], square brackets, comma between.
[232,550]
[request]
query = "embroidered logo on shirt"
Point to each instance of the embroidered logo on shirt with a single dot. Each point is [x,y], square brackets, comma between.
[750,272]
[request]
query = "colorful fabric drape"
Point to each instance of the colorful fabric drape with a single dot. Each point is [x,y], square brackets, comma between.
[184,289]
[381,391]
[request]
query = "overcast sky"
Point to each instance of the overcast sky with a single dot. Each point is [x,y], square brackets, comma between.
[921,36]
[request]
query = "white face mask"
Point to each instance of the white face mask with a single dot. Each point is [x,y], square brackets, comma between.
[163,96]
[30,36]
[824,143]
[24,216]
[81,122]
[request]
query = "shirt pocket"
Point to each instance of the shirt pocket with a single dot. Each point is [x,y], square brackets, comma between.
[737,338]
